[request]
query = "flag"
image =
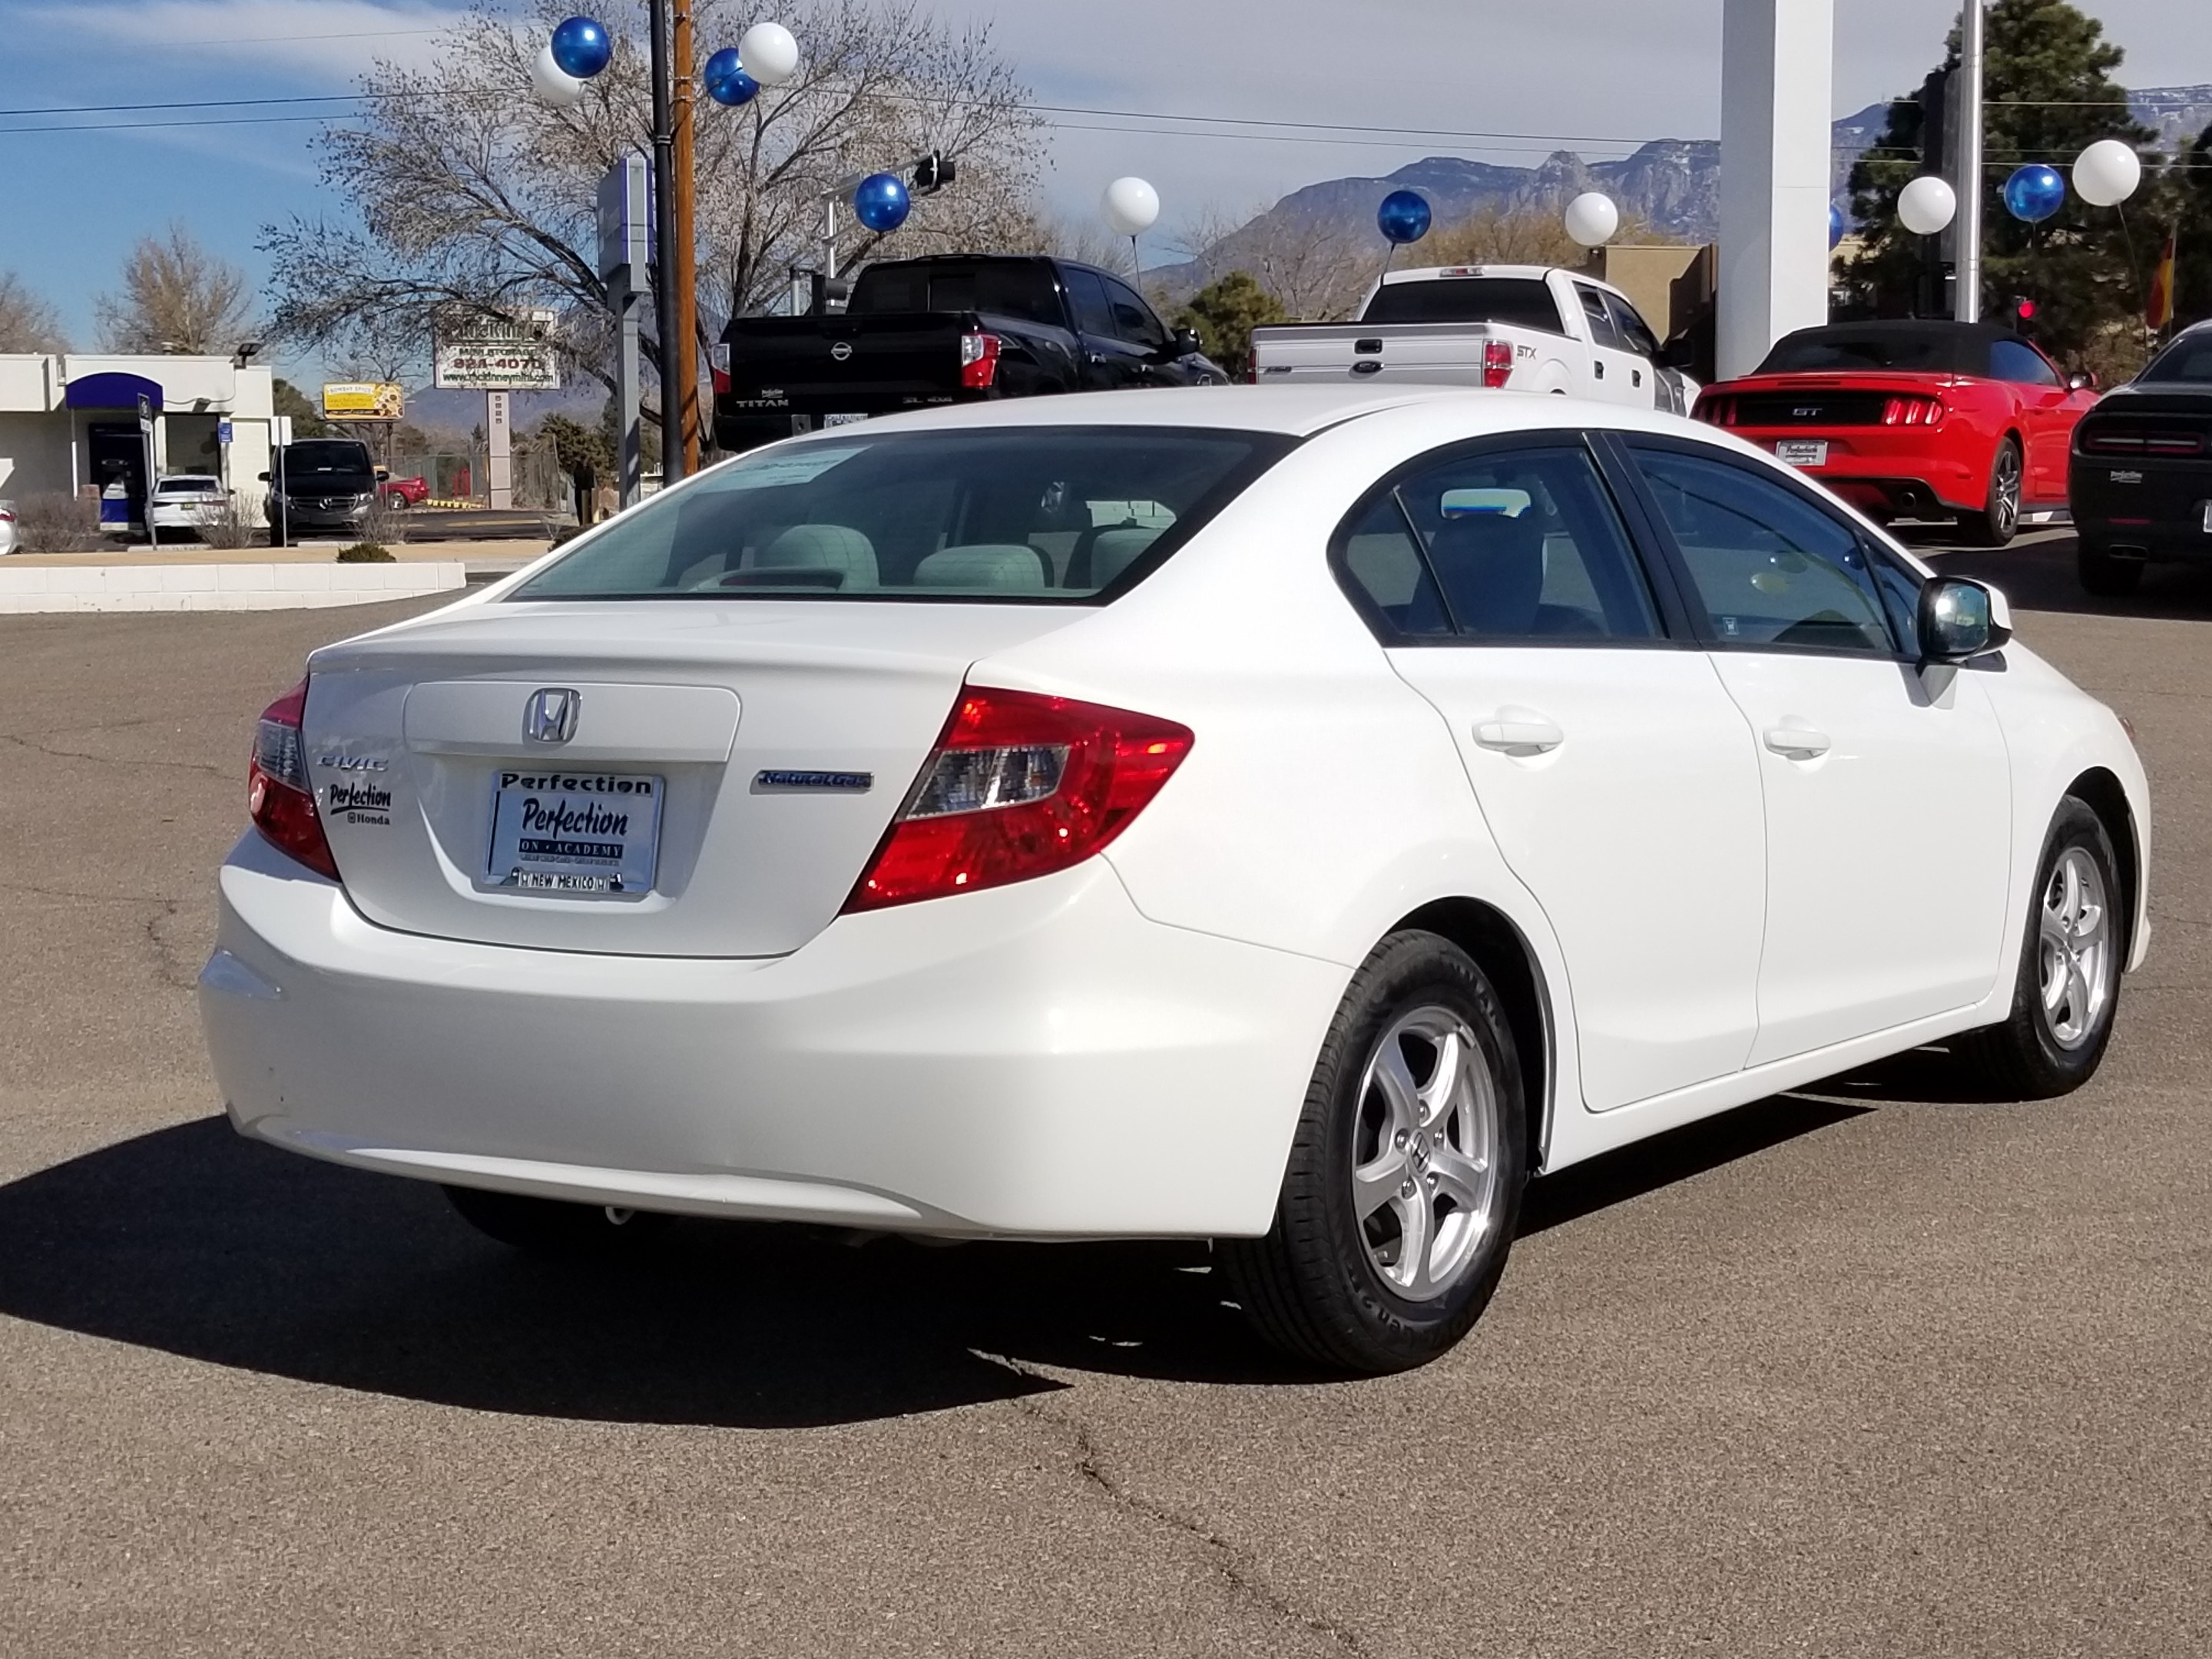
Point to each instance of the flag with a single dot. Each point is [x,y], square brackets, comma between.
[2160,310]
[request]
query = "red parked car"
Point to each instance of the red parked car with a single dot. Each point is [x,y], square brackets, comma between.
[403,493]
[1916,420]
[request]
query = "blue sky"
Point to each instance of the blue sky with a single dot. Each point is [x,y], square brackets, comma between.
[71,202]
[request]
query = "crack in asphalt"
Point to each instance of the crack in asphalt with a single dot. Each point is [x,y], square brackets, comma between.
[171,969]
[1226,1558]
[38,748]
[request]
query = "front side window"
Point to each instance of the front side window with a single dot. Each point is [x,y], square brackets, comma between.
[1132,318]
[1768,566]
[1035,513]
[1629,324]
[2021,363]
[1518,544]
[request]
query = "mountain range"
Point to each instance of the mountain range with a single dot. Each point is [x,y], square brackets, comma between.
[1671,183]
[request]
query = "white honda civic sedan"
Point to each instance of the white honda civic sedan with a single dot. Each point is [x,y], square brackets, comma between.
[1288,817]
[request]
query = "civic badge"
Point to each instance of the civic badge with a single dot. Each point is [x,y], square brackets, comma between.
[551,715]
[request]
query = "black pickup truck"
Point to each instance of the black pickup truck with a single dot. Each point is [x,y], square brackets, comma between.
[950,329]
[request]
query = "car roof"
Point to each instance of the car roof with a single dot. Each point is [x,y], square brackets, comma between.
[1297,411]
[1433,273]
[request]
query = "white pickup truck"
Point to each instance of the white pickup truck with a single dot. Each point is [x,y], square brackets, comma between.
[1526,328]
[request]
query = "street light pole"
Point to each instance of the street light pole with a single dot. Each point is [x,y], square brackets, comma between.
[673,253]
[1967,294]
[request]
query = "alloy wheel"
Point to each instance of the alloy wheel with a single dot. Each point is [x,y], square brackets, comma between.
[2004,493]
[2077,949]
[1423,1156]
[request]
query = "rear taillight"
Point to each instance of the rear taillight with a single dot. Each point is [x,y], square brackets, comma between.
[1019,784]
[7,515]
[1913,410]
[2143,443]
[1496,362]
[979,361]
[1715,411]
[280,797]
[718,366]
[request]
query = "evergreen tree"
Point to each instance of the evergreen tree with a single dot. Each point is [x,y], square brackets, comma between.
[2048,92]
[1225,311]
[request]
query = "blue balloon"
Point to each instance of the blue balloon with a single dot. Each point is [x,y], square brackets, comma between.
[2035,193]
[726,80]
[581,48]
[880,202]
[1835,224]
[1403,217]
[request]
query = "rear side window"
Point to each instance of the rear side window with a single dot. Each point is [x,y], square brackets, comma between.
[1522,302]
[1601,324]
[1524,545]
[1092,314]
[1040,514]
[1768,567]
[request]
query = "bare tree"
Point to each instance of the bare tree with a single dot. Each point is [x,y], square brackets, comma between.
[472,192]
[176,297]
[28,323]
[1317,270]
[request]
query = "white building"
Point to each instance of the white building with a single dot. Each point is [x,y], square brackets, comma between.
[69,424]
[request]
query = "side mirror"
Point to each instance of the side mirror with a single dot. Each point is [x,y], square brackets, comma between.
[382,473]
[264,476]
[1681,352]
[1187,343]
[2082,380]
[1959,619]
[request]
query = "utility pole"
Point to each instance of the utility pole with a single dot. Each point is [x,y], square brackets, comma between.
[674,350]
[684,304]
[1967,294]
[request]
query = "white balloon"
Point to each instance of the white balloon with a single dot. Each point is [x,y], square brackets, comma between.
[1131,206]
[1925,205]
[2106,173]
[555,84]
[1592,219]
[769,52]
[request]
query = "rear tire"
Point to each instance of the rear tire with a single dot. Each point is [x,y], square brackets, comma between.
[1998,521]
[2105,575]
[1404,1182]
[550,1228]
[2067,986]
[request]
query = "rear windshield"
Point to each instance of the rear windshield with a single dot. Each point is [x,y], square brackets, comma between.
[1006,288]
[1928,351]
[188,486]
[2189,358]
[331,455]
[1522,302]
[1029,514]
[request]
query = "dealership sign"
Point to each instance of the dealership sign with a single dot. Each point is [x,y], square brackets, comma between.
[363,400]
[477,352]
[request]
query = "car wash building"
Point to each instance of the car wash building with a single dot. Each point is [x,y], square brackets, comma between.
[102,427]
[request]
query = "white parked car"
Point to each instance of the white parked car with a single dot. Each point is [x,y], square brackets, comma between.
[1518,328]
[1291,818]
[181,502]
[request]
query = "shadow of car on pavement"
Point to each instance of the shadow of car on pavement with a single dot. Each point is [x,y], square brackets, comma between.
[192,1240]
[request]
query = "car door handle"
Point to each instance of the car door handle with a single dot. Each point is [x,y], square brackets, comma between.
[1519,732]
[1797,742]
[1600,368]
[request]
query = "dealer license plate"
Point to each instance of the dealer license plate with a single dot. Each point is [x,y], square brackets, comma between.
[841,420]
[1802,452]
[573,832]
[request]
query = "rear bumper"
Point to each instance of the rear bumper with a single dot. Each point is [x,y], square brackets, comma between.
[1888,470]
[1038,1060]
[2153,508]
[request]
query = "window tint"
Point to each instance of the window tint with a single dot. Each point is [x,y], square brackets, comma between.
[1523,301]
[344,456]
[1600,325]
[1092,314]
[1769,567]
[1521,545]
[2189,358]
[1631,326]
[1900,596]
[1040,513]
[2011,360]
[1008,287]
[1132,318]
[1382,559]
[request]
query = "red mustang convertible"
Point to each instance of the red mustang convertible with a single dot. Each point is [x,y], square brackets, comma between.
[1916,420]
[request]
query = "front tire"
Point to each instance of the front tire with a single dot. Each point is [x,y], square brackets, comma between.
[2105,575]
[2066,988]
[1405,1176]
[1998,521]
[550,1228]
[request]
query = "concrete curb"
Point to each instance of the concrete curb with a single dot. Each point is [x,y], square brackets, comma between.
[220,586]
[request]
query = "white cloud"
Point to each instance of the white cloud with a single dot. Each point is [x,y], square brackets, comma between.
[337,39]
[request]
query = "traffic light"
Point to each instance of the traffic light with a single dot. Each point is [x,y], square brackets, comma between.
[2023,312]
[932,172]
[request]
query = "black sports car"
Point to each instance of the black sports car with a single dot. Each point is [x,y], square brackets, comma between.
[2140,478]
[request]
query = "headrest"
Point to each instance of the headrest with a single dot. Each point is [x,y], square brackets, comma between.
[1492,570]
[985,564]
[821,547]
[1116,550]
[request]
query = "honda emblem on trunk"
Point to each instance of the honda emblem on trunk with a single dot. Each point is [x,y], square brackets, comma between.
[551,715]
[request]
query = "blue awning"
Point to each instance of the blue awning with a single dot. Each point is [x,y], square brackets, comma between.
[111,391]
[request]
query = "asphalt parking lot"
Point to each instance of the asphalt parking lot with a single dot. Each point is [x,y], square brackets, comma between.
[1875,1369]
